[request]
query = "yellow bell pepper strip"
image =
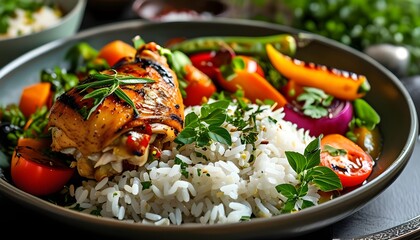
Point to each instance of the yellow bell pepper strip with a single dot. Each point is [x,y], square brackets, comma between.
[338,83]
[254,86]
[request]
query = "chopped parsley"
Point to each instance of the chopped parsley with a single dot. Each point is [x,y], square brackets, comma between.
[146,184]
[183,165]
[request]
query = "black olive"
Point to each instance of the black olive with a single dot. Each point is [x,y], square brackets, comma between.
[412,84]
[5,129]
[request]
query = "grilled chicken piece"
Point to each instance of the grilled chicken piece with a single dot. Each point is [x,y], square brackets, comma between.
[114,138]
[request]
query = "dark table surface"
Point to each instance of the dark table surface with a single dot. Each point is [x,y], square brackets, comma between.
[395,205]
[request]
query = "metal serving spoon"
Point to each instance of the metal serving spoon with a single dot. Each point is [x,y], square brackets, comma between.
[407,231]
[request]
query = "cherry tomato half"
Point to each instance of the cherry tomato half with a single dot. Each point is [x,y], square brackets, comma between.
[349,161]
[36,172]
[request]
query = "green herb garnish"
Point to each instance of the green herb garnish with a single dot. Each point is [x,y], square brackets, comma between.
[248,127]
[60,79]
[309,172]
[105,85]
[335,152]
[96,212]
[146,184]
[83,59]
[183,165]
[204,128]
[316,102]
[364,116]
[31,127]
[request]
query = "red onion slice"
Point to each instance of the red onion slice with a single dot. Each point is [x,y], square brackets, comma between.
[341,113]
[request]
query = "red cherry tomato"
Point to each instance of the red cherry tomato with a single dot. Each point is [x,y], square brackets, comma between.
[36,172]
[249,75]
[210,62]
[349,161]
[138,142]
[199,86]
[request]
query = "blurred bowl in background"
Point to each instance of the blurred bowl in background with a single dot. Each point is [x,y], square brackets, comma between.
[73,11]
[165,10]
[107,9]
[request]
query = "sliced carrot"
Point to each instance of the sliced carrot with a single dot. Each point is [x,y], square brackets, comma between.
[35,96]
[115,51]
[254,87]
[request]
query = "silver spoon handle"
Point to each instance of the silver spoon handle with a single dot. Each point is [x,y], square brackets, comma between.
[407,230]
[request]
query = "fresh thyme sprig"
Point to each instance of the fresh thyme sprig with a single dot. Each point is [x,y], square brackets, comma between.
[105,85]
[309,171]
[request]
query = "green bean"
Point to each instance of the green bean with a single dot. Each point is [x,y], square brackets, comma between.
[255,46]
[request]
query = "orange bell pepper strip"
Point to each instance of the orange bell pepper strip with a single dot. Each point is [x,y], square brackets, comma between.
[254,86]
[35,96]
[338,83]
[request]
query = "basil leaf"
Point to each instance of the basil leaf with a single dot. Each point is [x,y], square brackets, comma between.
[217,117]
[296,160]
[203,139]
[287,190]
[187,136]
[220,134]
[325,178]
[306,204]
[191,119]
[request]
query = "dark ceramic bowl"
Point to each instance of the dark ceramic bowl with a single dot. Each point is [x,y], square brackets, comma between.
[399,127]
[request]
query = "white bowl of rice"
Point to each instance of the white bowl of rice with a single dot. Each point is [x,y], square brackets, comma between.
[27,26]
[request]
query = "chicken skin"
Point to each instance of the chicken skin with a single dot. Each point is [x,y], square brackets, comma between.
[114,137]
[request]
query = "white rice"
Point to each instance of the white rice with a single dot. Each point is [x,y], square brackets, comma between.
[222,187]
[25,22]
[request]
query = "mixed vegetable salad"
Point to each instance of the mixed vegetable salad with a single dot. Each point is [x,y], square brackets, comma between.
[326,101]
